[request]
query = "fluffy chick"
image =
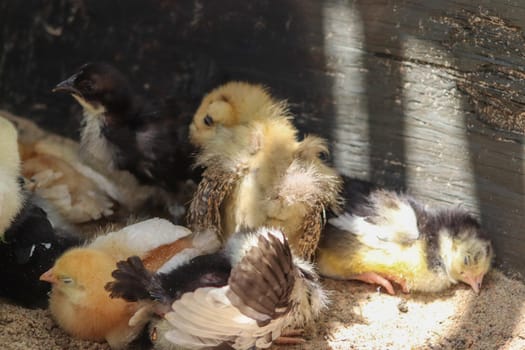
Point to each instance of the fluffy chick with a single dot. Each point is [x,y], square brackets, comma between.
[241,297]
[124,130]
[256,171]
[32,235]
[30,246]
[78,198]
[80,189]
[78,301]
[384,236]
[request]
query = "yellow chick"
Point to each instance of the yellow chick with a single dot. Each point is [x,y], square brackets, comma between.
[78,301]
[257,171]
[11,198]
[385,237]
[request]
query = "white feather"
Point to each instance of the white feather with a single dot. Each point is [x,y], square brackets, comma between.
[91,139]
[206,318]
[206,242]
[140,238]
[401,227]
[238,245]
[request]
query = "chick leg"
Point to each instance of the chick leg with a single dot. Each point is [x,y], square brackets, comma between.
[374,278]
[291,337]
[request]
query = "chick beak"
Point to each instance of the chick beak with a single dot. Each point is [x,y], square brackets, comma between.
[474,282]
[67,85]
[49,276]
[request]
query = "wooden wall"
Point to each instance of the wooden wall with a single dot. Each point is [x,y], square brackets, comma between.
[426,95]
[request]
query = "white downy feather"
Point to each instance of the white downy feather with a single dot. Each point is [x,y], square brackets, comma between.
[206,318]
[400,229]
[139,238]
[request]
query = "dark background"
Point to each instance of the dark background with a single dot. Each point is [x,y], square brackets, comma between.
[424,95]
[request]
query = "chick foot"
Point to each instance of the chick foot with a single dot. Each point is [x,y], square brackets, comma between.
[291,337]
[374,278]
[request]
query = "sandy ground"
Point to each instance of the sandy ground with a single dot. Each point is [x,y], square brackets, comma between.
[360,317]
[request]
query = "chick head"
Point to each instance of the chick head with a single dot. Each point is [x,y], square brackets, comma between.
[229,105]
[98,87]
[80,272]
[470,253]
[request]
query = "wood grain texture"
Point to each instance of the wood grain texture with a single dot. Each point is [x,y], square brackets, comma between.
[426,95]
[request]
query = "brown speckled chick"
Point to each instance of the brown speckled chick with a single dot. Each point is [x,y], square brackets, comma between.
[257,172]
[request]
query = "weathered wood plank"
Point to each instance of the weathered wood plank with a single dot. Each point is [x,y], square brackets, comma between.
[426,95]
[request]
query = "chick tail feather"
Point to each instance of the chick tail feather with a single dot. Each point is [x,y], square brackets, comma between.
[133,282]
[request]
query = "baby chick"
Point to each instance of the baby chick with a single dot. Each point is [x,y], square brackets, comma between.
[256,171]
[32,234]
[78,301]
[384,236]
[81,190]
[122,129]
[76,197]
[30,246]
[241,297]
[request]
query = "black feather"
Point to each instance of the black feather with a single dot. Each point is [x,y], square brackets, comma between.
[133,282]
[455,220]
[149,137]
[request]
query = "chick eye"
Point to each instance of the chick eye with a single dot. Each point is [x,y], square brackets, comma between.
[67,280]
[87,86]
[208,120]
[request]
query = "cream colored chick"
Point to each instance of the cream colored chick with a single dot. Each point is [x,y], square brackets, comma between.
[11,200]
[75,196]
[80,189]
[78,301]
[257,172]
[385,237]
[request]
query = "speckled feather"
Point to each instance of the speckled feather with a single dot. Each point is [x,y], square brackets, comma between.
[204,211]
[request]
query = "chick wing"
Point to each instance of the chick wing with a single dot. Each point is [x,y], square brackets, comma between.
[383,217]
[258,292]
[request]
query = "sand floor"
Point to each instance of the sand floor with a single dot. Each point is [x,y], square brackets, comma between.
[360,317]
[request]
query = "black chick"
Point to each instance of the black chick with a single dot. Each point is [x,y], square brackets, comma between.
[29,248]
[124,130]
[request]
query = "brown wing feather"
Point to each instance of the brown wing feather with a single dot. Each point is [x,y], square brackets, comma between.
[262,282]
[204,211]
[313,224]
